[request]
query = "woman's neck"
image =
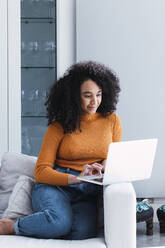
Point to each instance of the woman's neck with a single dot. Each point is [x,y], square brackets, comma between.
[89,117]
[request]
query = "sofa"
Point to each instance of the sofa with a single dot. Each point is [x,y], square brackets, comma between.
[117,215]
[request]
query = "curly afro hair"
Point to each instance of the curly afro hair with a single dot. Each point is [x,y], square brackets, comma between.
[63,101]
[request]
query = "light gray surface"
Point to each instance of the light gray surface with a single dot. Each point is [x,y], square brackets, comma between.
[129,36]
[14,241]
[149,241]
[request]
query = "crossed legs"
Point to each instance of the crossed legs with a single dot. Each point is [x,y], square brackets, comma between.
[55,216]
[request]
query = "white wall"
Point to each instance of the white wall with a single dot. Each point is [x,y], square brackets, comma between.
[66,38]
[3,78]
[14,76]
[10,103]
[129,36]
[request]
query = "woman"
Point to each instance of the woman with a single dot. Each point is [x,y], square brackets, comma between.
[82,123]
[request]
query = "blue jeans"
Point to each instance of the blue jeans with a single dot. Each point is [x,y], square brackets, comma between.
[65,212]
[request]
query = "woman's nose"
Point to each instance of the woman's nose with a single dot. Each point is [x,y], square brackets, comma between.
[94,100]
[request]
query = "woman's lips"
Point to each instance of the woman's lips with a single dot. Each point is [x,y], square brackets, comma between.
[91,107]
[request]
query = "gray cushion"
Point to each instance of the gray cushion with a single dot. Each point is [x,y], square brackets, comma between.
[13,165]
[20,200]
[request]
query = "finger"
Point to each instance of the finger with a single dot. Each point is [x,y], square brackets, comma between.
[97,169]
[87,166]
[87,170]
[100,165]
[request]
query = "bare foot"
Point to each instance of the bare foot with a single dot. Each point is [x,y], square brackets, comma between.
[6,226]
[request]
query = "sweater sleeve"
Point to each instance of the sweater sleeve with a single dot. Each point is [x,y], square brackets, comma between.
[117,130]
[44,172]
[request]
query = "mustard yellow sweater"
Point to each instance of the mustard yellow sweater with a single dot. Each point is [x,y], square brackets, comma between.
[77,148]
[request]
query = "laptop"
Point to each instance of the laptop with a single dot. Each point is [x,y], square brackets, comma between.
[127,161]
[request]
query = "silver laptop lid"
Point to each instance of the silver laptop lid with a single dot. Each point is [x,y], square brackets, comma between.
[130,160]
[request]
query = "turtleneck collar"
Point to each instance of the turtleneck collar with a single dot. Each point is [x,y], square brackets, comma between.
[90,117]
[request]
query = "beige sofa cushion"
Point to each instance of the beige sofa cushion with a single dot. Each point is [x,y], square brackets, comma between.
[13,165]
[20,199]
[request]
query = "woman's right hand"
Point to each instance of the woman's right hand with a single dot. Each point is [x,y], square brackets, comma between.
[86,171]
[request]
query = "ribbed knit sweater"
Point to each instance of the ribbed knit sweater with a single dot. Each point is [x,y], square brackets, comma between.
[75,149]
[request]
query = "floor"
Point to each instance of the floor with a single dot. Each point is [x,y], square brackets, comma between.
[157,240]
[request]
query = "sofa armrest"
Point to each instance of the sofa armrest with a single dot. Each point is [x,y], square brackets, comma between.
[120,215]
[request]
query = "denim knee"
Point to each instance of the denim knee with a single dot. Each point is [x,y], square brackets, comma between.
[57,225]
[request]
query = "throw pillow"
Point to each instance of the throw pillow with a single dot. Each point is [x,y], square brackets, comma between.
[13,165]
[20,200]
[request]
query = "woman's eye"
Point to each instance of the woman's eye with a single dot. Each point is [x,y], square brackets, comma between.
[88,96]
